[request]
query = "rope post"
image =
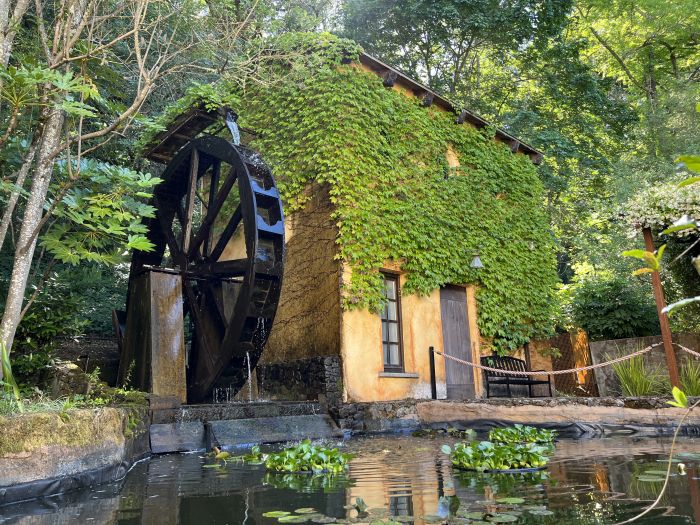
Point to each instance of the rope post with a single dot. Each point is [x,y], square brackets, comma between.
[433,380]
[663,318]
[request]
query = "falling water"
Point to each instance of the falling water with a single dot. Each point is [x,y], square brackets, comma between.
[250,378]
[231,119]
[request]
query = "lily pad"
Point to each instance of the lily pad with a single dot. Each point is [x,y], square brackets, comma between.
[276,513]
[502,518]
[650,479]
[511,501]
[541,512]
[470,515]
[293,519]
[655,473]
[323,519]
[305,510]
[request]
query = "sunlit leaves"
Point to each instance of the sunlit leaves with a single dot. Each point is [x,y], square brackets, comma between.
[100,214]
[680,400]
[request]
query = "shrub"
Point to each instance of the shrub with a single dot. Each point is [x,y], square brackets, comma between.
[612,308]
[486,455]
[522,434]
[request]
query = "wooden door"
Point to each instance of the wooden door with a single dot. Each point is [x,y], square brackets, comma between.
[457,342]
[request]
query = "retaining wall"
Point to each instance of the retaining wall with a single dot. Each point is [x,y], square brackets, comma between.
[608,384]
[47,453]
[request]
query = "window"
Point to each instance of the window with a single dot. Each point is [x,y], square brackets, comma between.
[391,325]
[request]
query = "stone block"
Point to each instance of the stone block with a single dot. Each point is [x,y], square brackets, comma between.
[177,437]
[274,429]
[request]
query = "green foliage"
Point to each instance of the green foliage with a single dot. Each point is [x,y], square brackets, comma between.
[307,457]
[662,205]
[9,383]
[522,434]
[613,308]
[485,455]
[690,377]
[54,314]
[680,400]
[101,217]
[638,379]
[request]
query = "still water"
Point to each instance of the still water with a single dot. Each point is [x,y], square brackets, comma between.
[407,479]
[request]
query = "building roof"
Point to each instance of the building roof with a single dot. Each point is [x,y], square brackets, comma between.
[194,121]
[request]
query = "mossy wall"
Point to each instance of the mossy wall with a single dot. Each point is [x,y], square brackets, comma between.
[47,445]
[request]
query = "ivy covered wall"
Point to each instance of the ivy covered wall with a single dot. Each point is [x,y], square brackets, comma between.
[383,157]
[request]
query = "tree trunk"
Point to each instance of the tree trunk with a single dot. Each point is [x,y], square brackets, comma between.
[26,243]
[14,196]
[8,27]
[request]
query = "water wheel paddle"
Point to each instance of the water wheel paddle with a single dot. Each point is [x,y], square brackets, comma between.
[219,225]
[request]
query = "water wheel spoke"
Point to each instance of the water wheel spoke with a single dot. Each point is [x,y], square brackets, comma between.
[226,235]
[190,199]
[167,228]
[216,202]
[213,186]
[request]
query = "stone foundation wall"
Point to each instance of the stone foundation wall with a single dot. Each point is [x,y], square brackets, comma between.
[312,379]
[571,416]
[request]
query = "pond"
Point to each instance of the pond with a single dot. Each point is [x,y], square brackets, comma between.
[594,481]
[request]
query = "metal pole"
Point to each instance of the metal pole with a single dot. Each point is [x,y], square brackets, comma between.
[433,383]
[663,318]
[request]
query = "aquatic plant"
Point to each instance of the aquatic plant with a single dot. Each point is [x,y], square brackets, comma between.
[522,434]
[487,456]
[304,457]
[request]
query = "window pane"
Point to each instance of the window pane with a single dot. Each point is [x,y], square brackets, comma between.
[391,312]
[386,354]
[390,288]
[393,333]
[394,355]
[385,332]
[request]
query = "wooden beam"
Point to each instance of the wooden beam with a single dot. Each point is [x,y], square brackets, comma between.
[514,145]
[663,317]
[428,98]
[390,78]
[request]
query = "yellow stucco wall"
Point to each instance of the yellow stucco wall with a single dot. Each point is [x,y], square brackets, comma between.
[361,349]
[307,323]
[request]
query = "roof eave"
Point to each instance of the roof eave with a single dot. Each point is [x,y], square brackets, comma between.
[391,75]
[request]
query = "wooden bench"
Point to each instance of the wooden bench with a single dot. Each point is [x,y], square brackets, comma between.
[512,364]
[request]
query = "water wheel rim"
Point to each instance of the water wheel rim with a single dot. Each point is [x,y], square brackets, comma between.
[214,351]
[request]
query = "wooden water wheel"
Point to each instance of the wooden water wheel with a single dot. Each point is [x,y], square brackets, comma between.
[219,225]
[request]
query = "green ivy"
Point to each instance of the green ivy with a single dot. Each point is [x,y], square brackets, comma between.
[383,157]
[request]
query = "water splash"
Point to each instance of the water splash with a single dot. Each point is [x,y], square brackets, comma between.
[250,378]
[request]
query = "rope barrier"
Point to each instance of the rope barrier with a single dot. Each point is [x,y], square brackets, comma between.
[568,371]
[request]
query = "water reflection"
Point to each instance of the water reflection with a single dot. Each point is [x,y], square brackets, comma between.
[588,482]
